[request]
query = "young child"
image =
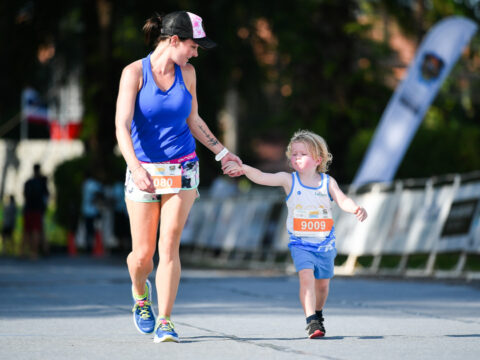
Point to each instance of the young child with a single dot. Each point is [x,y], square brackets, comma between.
[309,222]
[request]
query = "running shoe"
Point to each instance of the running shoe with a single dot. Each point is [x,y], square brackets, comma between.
[143,314]
[320,321]
[314,329]
[164,331]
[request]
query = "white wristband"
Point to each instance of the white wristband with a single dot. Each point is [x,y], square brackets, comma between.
[221,154]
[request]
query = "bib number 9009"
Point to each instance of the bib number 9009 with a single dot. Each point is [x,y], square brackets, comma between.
[312,225]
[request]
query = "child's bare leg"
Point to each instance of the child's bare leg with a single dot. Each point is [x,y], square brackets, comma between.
[321,291]
[307,291]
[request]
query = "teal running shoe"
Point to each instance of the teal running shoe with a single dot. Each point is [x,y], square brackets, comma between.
[143,314]
[164,331]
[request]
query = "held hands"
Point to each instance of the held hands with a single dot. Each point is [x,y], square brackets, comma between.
[232,165]
[142,179]
[360,213]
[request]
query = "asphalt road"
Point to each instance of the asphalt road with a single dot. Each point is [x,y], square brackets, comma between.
[80,308]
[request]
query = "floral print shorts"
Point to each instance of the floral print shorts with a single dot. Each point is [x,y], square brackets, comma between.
[190,180]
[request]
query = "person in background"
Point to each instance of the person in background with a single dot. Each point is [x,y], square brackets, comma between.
[91,197]
[223,187]
[8,225]
[36,195]
[310,191]
[120,217]
[157,122]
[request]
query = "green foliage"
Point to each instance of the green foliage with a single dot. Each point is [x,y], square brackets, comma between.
[309,64]
[68,179]
[446,149]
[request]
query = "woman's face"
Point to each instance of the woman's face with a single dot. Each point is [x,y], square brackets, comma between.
[301,158]
[184,50]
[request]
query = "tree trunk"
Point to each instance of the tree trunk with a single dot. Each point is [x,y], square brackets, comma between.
[99,82]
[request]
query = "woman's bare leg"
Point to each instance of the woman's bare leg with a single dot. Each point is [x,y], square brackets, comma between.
[174,213]
[143,226]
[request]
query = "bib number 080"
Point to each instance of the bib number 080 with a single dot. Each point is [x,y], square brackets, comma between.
[167,182]
[162,182]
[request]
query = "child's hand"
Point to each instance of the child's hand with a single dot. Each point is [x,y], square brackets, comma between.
[232,158]
[361,213]
[231,167]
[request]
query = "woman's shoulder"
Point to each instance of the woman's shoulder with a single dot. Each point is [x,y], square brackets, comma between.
[134,68]
[188,71]
[189,76]
[133,74]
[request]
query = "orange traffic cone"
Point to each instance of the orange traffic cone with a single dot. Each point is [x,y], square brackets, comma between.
[71,247]
[98,246]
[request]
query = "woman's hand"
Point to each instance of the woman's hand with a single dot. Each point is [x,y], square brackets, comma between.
[143,180]
[232,167]
[229,170]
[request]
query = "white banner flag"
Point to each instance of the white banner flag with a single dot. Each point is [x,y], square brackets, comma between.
[438,52]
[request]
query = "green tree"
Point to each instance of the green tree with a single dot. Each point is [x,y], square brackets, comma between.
[309,64]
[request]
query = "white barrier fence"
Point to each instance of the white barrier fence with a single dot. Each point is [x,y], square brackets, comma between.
[429,217]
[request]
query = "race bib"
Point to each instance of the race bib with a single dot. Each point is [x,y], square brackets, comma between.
[311,223]
[167,178]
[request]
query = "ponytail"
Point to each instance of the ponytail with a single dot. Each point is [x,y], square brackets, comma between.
[153,29]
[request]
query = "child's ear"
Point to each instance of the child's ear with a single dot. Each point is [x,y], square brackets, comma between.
[319,160]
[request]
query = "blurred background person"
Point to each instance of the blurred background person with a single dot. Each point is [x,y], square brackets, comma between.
[121,228]
[36,195]
[223,187]
[91,197]
[8,225]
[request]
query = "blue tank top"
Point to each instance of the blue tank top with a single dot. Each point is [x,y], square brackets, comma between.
[159,129]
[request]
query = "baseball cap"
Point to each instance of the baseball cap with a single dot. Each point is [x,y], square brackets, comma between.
[186,25]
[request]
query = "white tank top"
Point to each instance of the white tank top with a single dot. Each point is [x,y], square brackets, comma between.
[309,220]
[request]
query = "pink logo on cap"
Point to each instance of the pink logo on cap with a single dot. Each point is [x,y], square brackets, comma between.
[198,31]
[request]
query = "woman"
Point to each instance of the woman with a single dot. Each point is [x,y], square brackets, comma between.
[156,123]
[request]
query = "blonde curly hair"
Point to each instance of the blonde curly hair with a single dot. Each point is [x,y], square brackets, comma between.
[315,144]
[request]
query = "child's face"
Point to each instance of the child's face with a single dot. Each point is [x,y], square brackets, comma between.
[301,158]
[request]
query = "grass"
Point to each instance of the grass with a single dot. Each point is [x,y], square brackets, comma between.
[365,261]
[417,261]
[56,235]
[473,262]
[390,261]
[446,261]
[340,259]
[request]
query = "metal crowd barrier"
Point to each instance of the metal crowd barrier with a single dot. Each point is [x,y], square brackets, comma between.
[439,215]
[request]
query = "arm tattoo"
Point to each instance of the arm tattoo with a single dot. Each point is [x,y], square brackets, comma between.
[211,140]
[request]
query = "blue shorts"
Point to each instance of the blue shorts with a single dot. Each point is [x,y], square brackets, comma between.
[322,263]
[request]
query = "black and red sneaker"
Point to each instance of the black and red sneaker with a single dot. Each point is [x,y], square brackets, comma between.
[315,329]
[320,321]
